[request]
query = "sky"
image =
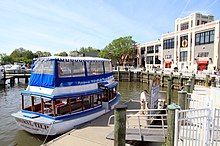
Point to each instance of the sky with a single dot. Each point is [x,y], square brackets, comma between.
[66,25]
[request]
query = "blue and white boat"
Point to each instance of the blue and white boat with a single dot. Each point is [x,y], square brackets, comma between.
[65,92]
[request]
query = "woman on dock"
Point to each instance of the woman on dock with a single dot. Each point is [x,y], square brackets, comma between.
[143,101]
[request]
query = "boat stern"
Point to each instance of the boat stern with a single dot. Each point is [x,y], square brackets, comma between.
[35,124]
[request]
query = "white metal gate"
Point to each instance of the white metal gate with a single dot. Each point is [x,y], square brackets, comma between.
[215,136]
[197,127]
[192,127]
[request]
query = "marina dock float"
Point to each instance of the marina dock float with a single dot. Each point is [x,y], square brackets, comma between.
[98,133]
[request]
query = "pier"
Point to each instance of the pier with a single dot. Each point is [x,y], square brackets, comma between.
[178,79]
[12,77]
[194,121]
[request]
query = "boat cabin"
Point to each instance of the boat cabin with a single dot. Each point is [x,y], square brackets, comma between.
[60,86]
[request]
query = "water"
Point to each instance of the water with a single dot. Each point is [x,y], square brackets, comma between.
[10,102]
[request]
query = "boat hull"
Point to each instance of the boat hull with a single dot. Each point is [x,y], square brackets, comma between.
[42,125]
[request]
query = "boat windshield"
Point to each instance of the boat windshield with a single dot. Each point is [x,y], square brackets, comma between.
[43,67]
[71,69]
[94,68]
[108,67]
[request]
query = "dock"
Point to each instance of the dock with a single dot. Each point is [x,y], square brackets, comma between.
[99,133]
[12,77]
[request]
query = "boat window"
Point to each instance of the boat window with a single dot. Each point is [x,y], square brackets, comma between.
[43,67]
[108,67]
[94,68]
[71,69]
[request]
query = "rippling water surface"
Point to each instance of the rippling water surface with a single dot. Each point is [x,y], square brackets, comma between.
[10,102]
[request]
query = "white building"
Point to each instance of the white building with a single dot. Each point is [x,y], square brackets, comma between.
[194,45]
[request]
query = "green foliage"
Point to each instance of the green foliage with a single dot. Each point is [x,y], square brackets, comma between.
[61,54]
[88,49]
[6,59]
[75,53]
[119,49]
[42,54]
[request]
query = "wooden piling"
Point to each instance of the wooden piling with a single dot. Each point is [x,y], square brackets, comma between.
[171,124]
[162,80]
[129,76]
[4,78]
[120,125]
[193,83]
[118,74]
[26,79]
[169,93]
[187,88]
[207,80]
[213,83]
[182,99]
[181,79]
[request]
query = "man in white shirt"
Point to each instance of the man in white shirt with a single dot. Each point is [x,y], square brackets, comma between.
[143,100]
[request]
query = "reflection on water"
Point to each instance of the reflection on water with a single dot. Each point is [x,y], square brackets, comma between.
[10,102]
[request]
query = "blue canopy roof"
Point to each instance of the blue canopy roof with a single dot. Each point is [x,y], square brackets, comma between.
[73,59]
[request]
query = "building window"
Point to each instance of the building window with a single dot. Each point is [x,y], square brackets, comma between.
[204,22]
[183,56]
[150,49]
[202,37]
[197,22]
[206,37]
[157,61]
[168,44]
[142,50]
[150,59]
[168,56]
[184,26]
[191,23]
[197,38]
[211,33]
[203,54]
[184,41]
[157,47]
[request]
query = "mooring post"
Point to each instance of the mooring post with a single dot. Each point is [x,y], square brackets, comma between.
[213,83]
[148,78]
[207,80]
[26,79]
[4,78]
[162,79]
[118,73]
[171,124]
[193,83]
[180,80]
[129,75]
[120,125]
[169,94]
[187,88]
[182,99]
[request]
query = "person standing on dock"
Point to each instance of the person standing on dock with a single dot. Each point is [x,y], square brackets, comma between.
[143,101]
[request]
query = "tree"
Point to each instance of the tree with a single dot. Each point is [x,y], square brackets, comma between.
[61,54]
[88,49]
[42,54]
[6,59]
[75,53]
[119,49]
[18,53]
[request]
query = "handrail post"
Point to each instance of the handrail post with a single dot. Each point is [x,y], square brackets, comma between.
[171,124]
[120,125]
[169,94]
